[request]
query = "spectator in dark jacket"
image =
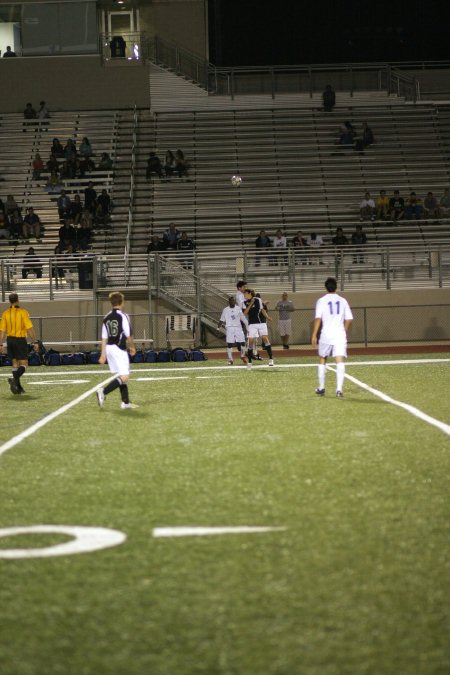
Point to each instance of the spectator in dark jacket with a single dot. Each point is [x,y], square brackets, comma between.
[329,98]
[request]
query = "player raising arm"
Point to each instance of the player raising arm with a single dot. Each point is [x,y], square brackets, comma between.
[333,318]
[232,319]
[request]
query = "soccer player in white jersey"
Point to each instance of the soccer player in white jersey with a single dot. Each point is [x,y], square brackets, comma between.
[116,337]
[232,319]
[332,321]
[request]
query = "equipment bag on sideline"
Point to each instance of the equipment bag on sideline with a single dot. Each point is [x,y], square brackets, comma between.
[180,354]
[164,355]
[151,356]
[77,359]
[52,358]
[197,355]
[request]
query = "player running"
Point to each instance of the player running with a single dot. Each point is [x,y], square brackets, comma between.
[116,337]
[333,317]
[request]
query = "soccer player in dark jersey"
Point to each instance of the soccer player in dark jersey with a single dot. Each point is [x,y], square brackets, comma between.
[15,324]
[257,327]
[116,337]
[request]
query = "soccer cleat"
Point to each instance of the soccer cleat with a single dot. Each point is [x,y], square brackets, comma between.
[271,362]
[257,357]
[320,392]
[21,389]
[13,385]
[230,362]
[339,394]
[100,398]
[126,406]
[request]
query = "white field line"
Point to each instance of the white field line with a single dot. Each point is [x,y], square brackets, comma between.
[406,406]
[48,418]
[180,368]
[208,531]
[175,372]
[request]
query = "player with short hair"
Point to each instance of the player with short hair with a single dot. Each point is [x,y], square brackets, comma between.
[255,313]
[232,318]
[16,324]
[117,335]
[333,318]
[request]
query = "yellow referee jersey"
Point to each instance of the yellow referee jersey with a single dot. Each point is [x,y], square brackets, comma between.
[15,322]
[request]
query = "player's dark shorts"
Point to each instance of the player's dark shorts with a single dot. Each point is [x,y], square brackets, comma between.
[17,348]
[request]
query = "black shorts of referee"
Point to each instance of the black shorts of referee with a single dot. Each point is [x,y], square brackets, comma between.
[17,348]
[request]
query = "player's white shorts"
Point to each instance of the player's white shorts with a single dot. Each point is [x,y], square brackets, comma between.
[338,348]
[118,360]
[256,330]
[285,326]
[235,334]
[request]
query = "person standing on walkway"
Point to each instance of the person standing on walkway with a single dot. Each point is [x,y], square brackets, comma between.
[15,325]
[284,307]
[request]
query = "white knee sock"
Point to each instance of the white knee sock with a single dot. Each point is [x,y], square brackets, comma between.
[340,371]
[321,372]
[230,353]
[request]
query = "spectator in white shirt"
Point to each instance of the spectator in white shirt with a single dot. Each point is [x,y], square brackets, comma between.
[279,242]
[367,208]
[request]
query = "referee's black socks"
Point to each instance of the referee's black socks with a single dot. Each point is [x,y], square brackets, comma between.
[18,372]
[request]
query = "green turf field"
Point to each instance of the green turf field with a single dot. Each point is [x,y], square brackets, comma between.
[356,579]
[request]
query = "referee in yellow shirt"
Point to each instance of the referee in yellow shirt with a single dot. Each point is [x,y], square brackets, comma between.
[16,324]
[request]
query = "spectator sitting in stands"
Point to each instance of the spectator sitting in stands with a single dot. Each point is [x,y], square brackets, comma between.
[169,164]
[105,163]
[43,114]
[444,203]
[339,238]
[367,135]
[31,263]
[262,242]
[347,134]
[76,208]
[430,206]
[67,234]
[90,197]
[359,240]
[414,209]
[15,226]
[367,208]
[300,245]
[4,227]
[185,245]
[396,206]
[70,149]
[315,242]
[103,208]
[86,152]
[382,205]
[67,170]
[28,114]
[87,219]
[171,236]
[328,98]
[11,205]
[279,244]
[53,164]
[84,236]
[154,166]
[31,224]
[57,149]
[64,205]
[53,183]
[38,166]
[181,165]
[155,244]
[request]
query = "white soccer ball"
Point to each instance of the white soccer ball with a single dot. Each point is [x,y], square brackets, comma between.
[236,181]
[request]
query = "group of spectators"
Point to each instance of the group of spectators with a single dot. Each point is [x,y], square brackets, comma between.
[16,227]
[174,165]
[397,208]
[69,162]
[174,240]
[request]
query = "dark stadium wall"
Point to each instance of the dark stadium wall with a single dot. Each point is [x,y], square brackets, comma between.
[71,83]
[182,23]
